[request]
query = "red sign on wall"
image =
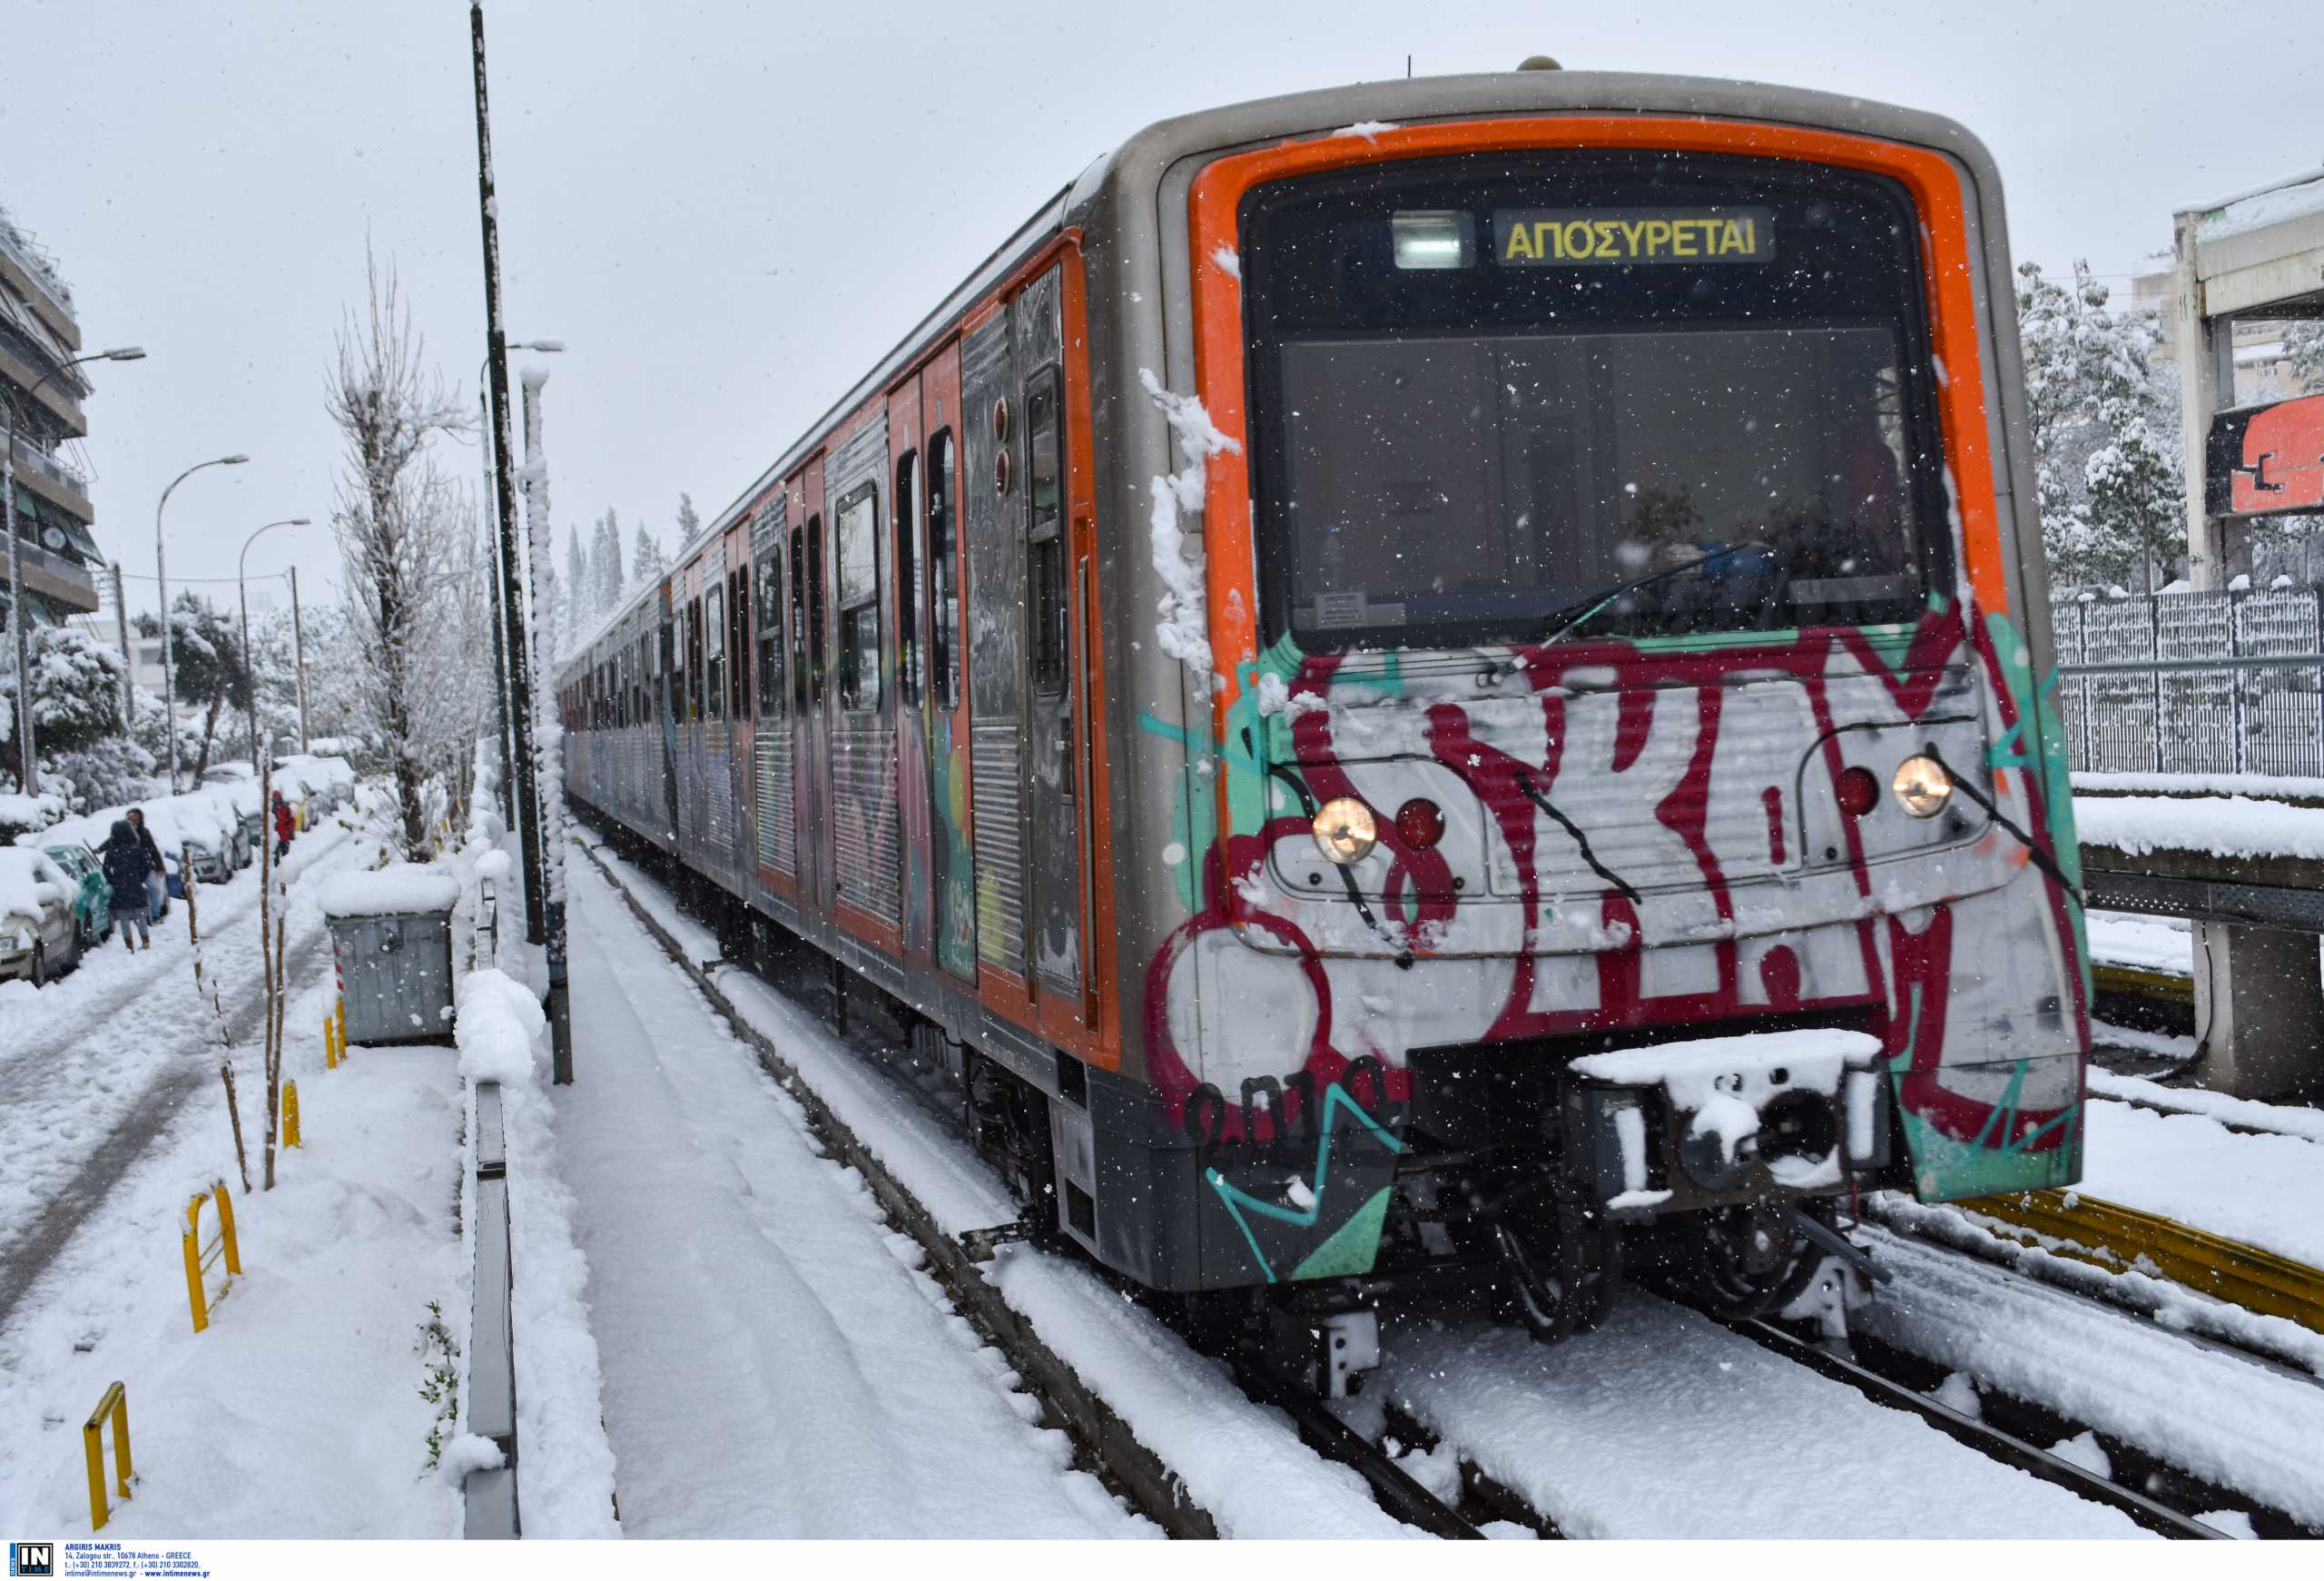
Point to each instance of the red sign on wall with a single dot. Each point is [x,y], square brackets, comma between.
[2267,459]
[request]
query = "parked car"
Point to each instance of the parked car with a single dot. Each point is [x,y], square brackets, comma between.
[92,903]
[237,803]
[39,934]
[89,832]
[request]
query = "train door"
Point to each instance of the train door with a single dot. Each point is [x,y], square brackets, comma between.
[951,812]
[905,599]
[1053,649]
[778,828]
[812,729]
[992,415]
[667,695]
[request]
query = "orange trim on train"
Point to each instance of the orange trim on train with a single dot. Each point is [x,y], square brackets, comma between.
[1932,181]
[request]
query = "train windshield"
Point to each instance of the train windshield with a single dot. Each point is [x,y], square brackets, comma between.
[1499,397]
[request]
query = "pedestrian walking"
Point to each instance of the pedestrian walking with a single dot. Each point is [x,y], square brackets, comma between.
[157,881]
[284,824]
[130,855]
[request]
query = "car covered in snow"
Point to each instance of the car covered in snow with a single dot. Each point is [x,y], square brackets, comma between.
[92,901]
[39,933]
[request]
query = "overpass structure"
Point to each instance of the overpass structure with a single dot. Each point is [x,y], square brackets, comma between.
[2249,874]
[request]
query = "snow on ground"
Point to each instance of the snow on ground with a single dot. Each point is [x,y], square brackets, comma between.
[2293,1120]
[1243,1463]
[2092,783]
[2228,1419]
[2224,826]
[2263,1191]
[1663,1424]
[775,1364]
[2148,943]
[298,1413]
[78,1055]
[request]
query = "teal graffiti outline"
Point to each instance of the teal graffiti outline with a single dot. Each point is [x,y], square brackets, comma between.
[1236,1199]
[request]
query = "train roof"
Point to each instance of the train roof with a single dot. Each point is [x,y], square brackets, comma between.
[1354,109]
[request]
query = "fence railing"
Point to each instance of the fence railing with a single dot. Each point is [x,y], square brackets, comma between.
[2194,683]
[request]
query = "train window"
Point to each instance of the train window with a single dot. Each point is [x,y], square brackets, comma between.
[738,639]
[944,603]
[907,516]
[859,599]
[714,651]
[799,619]
[1046,606]
[1734,429]
[693,677]
[767,616]
[818,653]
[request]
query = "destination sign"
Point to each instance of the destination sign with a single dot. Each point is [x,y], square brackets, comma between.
[1558,237]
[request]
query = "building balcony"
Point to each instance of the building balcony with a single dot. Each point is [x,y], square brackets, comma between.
[23,266]
[54,577]
[54,481]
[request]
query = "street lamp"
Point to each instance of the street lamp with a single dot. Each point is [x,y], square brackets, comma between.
[244,591]
[161,574]
[27,751]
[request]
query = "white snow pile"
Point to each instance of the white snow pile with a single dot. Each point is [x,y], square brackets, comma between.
[1725,1083]
[2291,1120]
[2224,827]
[28,881]
[567,1483]
[23,812]
[2292,198]
[400,887]
[1185,631]
[1368,130]
[2282,787]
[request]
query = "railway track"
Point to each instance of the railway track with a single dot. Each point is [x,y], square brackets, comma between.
[1108,1448]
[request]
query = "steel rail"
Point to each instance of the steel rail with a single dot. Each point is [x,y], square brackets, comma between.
[1982,1436]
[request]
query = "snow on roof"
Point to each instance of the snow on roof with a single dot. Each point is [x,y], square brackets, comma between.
[2223,825]
[2292,197]
[392,890]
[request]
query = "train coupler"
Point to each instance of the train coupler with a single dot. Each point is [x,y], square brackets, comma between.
[984,1245]
[1329,1352]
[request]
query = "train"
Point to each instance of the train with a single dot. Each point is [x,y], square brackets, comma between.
[1442,682]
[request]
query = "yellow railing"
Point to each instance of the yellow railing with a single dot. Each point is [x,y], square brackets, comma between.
[114,1403]
[200,1258]
[2118,1238]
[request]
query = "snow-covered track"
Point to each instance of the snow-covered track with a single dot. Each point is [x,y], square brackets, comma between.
[1984,1437]
[1095,1428]
[1395,1488]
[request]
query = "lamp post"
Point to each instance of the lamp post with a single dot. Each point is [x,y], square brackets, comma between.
[242,588]
[162,576]
[499,638]
[26,748]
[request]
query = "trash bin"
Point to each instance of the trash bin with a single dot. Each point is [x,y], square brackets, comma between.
[392,935]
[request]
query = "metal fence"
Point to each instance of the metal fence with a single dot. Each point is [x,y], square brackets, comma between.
[2194,683]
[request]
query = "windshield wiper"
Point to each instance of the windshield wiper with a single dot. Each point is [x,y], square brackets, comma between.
[1568,616]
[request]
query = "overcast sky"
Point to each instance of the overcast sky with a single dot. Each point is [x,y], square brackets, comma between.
[729,209]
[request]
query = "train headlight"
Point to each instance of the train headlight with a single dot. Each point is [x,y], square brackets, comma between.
[1922,787]
[1345,831]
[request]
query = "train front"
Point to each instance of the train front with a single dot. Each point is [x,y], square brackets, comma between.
[1633,825]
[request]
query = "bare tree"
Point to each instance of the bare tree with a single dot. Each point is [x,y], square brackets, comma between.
[400,524]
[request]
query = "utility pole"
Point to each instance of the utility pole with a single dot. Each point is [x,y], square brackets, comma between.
[299,656]
[128,659]
[505,488]
[499,648]
[550,802]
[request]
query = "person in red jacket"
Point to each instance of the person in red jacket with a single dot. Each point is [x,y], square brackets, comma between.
[284,824]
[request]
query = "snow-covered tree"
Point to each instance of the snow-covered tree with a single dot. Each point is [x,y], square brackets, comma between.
[2304,349]
[209,668]
[647,563]
[580,610]
[605,565]
[688,523]
[401,526]
[2104,418]
[76,705]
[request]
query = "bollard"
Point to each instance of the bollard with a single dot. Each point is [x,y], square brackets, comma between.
[330,1046]
[338,1030]
[199,1257]
[92,1442]
[290,1114]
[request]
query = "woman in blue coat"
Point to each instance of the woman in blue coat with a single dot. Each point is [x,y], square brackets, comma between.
[128,864]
